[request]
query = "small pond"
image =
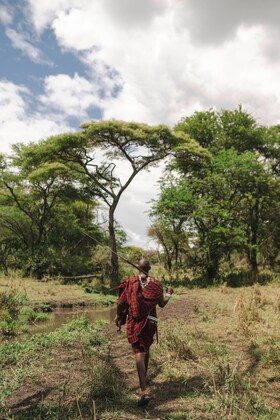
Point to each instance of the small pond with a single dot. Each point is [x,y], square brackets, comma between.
[61,316]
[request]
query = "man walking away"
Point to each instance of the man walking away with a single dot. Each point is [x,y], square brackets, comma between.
[138,299]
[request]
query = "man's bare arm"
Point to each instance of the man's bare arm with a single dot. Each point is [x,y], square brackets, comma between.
[120,309]
[165,299]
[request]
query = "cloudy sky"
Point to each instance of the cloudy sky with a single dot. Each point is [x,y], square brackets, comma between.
[68,61]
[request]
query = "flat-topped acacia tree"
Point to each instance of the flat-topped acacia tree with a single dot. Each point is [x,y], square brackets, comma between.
[94,155]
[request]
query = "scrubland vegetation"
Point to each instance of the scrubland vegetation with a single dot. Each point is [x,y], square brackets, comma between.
[227,362]
[25,302]
[71,365]
[218,356]
[218,203]
[216,225]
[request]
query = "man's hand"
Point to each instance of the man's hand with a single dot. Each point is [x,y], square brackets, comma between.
[164,300]
[169,290]
[118,322]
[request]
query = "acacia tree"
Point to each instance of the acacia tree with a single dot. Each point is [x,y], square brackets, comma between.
[93,155]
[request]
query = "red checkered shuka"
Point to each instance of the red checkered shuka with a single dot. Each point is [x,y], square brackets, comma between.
[139,303]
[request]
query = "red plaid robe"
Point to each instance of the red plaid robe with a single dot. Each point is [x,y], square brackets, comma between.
[139,303]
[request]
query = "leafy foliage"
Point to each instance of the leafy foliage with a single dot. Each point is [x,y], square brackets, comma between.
[224,197]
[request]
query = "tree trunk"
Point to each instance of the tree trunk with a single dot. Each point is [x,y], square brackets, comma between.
[212,267]
[211,272]
[168,259]
[229,260]
[176,249]
[253,242]
[114,275]
[254,264]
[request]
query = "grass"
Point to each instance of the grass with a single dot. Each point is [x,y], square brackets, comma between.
[26,302]
[38,368]
[11,303]
[218,357]
[38,292]
[226,362]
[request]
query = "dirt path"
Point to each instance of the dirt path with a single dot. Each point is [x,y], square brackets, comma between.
[55,378]
[67,368]
[164,393]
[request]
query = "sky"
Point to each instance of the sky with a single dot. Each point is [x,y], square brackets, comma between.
[63,62]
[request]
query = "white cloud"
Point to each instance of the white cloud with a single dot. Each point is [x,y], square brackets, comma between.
[132,211]
[43,12]
[238,73]
[71,95]
[123,12]
[162,75]
[216,21]
[6,17]
[17,123]
[153,61]
[12,103]
[18,41]
[72,34]
[131,13]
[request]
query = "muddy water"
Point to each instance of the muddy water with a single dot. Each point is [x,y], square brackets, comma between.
[61,316]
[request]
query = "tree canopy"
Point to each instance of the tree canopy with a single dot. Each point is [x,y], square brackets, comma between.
[226,197]
[218,206]
[103,159]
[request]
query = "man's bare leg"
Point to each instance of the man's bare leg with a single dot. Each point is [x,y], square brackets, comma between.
[141,369]
[147,357]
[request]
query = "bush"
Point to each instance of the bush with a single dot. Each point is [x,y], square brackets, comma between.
[10,305]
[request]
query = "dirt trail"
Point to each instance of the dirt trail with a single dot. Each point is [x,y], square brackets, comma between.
[123,357]
[66,371]
[66,368]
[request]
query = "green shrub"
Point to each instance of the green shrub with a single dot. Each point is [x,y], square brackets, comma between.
[10,306]
[33,316]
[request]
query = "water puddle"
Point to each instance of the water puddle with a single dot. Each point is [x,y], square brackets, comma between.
[61,316]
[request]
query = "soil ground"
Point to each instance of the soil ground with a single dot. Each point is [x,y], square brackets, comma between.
[164,394]
[65,369]
[212,312]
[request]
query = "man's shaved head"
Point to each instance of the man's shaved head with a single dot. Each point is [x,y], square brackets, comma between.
[144,265]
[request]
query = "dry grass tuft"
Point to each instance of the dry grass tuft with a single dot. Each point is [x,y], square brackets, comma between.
[277,304]
[248,310]
[257,298]
[239,303]
[230,389]
[224,288]
[178,343]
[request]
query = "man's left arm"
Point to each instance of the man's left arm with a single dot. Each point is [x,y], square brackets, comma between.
[165,298]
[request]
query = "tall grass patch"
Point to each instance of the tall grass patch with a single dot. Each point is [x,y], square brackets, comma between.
[73,364]
[228,365]
[11,303]
[249,308]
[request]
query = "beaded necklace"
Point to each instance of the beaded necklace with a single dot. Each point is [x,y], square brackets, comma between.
[142,283]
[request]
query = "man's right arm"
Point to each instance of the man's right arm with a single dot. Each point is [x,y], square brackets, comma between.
[120,309]
[121,304]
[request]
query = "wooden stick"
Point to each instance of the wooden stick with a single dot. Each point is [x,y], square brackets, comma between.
[94,410]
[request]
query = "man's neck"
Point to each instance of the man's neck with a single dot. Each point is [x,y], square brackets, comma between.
[143,276]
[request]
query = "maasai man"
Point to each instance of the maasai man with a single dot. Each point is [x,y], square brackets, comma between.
[138,298]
